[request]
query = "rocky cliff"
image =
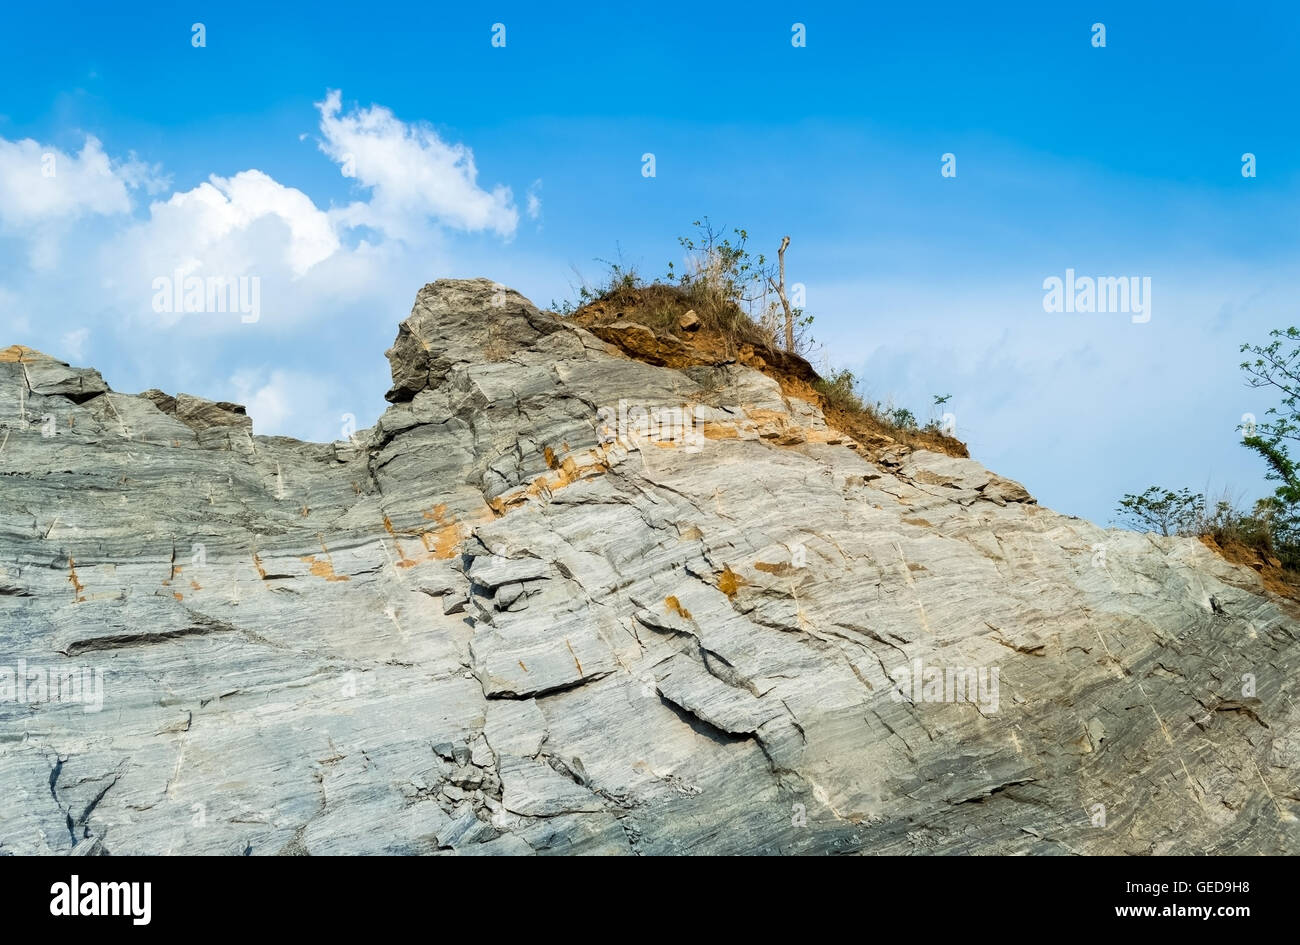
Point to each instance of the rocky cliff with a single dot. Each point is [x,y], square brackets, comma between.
[559,600]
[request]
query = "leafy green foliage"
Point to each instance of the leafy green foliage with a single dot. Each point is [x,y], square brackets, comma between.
[1273,525]
[902,418]
[719,267]
[1277,365]
[732,291]
[840,390]
[1163,511]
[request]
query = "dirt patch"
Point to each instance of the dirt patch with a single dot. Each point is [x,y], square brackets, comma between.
[1276,578]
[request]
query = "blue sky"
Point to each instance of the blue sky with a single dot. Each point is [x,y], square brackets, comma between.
[1116,161]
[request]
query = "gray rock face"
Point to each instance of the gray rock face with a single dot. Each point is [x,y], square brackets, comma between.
[546,605]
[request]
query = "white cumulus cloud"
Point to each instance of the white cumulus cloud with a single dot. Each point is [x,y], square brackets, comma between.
[413,175]
[39,184]
[94,246]
[217,221]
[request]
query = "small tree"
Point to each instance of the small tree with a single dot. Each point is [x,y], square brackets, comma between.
[720,272]
[721,279]
[840,388]
[1159,510]
[1277,365]
[936,417]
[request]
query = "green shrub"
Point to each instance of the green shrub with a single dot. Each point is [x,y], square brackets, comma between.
[1190,514]
[1163,511]
[1277,365]
[840,390]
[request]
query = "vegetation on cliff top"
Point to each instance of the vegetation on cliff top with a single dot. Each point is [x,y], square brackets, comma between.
[728,304]
[1267,535]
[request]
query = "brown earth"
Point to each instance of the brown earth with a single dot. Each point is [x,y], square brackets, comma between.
[1275,577]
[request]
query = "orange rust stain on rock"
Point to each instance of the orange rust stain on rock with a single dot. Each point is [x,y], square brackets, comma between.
[829,436]
[568,472]
[257,563]
[15,354]
[447,540]
[719,431]
[673,604]
[323,568]
[444,541]
[195,585]
[77,586]
[439,544]
[550,457]
[522,666]
[779,568]
[729,582]
[574,655]
[766,415]
[403,561]
[918,521]
[178,595]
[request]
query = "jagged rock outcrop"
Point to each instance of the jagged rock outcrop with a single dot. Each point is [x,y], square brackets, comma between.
[561,601]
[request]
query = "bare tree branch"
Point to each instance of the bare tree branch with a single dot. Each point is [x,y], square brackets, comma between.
[780,291]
